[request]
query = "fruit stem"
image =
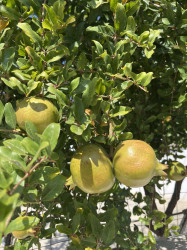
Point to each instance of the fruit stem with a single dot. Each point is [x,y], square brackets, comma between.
[159,169]
[70,183]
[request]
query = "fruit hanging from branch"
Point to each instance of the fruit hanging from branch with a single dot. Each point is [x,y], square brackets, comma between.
[135,163]
[176,171]
[91,170]
[40,111]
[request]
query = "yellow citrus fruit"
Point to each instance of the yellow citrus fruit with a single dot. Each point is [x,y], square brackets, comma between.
[177,171]
[41,112]
[135,163]
[91,170]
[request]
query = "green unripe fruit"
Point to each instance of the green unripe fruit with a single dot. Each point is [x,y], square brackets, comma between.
[177,171]
[41,112]
[135,163]
[91,170]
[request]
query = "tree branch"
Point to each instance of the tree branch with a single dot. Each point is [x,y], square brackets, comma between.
[27,175]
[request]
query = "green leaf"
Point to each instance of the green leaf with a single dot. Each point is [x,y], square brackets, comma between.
[95,225]
[144,78]
[61,97]
[149,52]
[31,131]
[30,33]
[153,35]
[144,37]
[100,139]
[74,84]
[76,222]
[89,241]
[14,83]
[79,110]
[119,128]
[58,7]
[43,145]
[10,116]
[5,179]
[88,94]
[158,225]
[99,47]
[120,19]
[22,223]
[170,13]
[76,129]
[131,7]
[35,59]
[125,136]
[51,21]
[63,229]
[30,145]
[169,220]
[11,13]
[151,237]
[56,55]
[7,206]
[51,134]
[128,71]
[33,87]
[120,111]
[131,24]
[1,111]
[8,155]
[82,61]
[113,5]
[108,232]
[53,188]
[8,55]
[16,146]
[43,175]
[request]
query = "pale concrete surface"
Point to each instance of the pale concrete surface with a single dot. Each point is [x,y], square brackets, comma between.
[172,243]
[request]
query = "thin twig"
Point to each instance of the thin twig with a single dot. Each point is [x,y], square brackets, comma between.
[11,131]
[139,86]
[27,175]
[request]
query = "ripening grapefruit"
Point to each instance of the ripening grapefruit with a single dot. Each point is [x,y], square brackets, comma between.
[40,111]
[135,163]
[91,170]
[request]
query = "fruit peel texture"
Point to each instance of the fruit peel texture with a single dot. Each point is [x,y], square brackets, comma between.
[41,112]
[135,163]
[91,169]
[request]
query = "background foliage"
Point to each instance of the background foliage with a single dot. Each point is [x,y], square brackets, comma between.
[116,70]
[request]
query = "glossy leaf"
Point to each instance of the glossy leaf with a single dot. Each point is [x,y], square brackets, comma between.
[51,134]
[30,145]
[8,55]
[120,111]
[108,233]
[53,188]
[22,223]
[16,146]
[27,29]
[10,116]
[1,111]
[121,19]
[61,97]
[95,225]
[88,94]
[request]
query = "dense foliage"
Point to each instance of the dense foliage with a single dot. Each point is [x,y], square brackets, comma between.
[115,70]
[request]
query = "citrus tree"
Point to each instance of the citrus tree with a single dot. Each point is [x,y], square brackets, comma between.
[115,71]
